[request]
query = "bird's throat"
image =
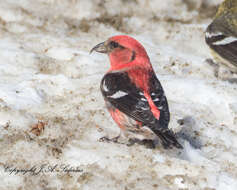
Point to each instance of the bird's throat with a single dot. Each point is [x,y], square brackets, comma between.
[120,59]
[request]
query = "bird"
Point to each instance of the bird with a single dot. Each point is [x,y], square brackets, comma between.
[221,35]
[133,94]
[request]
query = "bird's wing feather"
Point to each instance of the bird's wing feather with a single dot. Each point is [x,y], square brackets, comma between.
[159,99]
[118,89]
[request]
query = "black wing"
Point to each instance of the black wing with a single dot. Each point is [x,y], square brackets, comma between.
[119,90]
[159,98]
[222,38]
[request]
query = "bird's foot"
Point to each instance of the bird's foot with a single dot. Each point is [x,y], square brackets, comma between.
[106,139]
[133,141]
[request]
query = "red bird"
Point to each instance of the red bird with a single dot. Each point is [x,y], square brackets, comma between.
[132,92]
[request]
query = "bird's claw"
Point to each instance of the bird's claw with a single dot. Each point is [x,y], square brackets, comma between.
[132,142]
[106,139]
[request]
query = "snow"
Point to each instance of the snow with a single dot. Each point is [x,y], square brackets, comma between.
[48,75]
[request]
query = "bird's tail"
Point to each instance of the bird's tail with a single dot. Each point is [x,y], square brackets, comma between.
[168,139]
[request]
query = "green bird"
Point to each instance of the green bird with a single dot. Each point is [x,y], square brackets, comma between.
[221,35]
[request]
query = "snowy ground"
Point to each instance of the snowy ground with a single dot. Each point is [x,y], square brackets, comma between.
[47,75]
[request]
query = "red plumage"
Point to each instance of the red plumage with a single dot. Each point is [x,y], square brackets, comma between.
[132,92]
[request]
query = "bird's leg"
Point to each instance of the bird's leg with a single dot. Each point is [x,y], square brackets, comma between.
[114,139]
[107,139]
[133,141]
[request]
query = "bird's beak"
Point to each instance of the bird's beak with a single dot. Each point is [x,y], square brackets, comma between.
[101,48]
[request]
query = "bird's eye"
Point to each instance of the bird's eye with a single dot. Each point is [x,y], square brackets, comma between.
[113,45]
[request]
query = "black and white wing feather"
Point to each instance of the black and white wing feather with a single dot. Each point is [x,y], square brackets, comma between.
[123,95]
[118,89]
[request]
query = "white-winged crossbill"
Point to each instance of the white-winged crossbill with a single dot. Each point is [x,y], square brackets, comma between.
[132,93]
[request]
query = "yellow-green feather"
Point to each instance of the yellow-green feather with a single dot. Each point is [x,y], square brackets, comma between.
[228,6]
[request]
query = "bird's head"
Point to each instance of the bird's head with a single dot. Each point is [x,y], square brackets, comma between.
[123,51]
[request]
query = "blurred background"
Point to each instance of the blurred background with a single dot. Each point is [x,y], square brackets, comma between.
[127,16]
